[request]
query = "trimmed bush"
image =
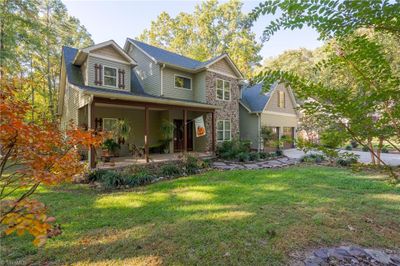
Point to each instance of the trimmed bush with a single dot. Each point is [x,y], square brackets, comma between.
[384,150]
[254,156]
[230,149]
[263,155]
[279,153]
[347,159]
[170,170]
[313,158]
[96,175]
[243,157]
[349,147]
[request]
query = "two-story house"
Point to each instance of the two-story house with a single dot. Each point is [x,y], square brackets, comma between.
[146,85]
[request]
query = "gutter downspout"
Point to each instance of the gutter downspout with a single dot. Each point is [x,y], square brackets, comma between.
[162,80]
[259,132]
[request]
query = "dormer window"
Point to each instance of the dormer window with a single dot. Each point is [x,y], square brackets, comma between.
[110,76]
[182,82]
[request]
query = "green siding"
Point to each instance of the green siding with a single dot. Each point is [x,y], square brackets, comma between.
[147,71]
[169,85]
[248,124]
[199,90]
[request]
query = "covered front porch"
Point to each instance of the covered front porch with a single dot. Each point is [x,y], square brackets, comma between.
[146,119]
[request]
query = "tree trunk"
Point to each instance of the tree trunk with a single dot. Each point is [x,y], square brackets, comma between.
[2,36]
[379,150]
[371,147]
[49,84]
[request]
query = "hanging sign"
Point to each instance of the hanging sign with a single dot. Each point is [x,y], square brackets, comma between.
[200,128]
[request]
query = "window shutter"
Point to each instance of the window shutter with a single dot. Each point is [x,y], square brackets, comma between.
[121,78]
[279,99]
[100,74]
[96,74]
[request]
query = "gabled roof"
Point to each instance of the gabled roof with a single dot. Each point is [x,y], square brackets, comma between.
[74,77]
[254,99]
[82,53]
[163,56]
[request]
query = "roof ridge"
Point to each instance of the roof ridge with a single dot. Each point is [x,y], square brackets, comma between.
[166,50]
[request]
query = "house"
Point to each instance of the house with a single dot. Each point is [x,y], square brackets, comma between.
[274,109]
[147,85]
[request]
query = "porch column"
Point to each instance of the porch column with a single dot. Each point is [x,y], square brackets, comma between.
[213,132]
[91,125]
[184,130]
[146,133]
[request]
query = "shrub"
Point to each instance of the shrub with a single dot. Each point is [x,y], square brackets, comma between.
[254,156]
[231,149]
[170,170]
[347,159]
[365,148]
[243,157]
[349,147]
[385,150]
[272,155]
[354,144]
[313,158]
[279,152]
[263,155]
[192,164]
[96,175]
[112,179]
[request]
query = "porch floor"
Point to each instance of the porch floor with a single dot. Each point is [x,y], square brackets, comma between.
[121,162]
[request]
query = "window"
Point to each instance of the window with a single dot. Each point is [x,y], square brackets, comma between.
[223,130]
[281,99]
[110,76]
[183,82]
[223,90]
[109,124]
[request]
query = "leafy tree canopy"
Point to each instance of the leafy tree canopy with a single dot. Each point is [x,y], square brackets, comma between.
[209,31]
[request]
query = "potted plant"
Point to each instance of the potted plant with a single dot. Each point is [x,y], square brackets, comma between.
[109,147]
[167,132]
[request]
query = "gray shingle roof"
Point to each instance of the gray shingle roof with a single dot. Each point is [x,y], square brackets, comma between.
[168,57]
[254,98]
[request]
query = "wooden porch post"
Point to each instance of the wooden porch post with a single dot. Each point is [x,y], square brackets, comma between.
[146,133]
[213,132]
[184,130]
[91,125]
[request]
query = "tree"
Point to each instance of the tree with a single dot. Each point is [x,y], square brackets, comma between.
[211,30]
[32,33]
[33,155]
[356,85]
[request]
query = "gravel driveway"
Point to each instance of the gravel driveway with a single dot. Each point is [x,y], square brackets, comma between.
[389,158]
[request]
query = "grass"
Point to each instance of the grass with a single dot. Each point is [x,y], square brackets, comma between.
[233,217]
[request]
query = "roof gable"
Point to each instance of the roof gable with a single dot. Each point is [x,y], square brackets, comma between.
[163,56]
[108,50]
[254,99]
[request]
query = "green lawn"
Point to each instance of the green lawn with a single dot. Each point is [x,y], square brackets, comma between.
[233,217]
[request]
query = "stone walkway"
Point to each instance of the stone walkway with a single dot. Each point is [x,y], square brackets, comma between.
[274,163]
[352,255]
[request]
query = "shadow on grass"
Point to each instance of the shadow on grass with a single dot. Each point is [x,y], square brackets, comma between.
[237,217]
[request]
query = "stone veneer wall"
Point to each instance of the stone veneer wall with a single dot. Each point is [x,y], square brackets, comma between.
[229,110]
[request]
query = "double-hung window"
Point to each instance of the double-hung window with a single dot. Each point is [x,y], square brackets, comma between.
[110,76]
[223,130]
[183,82]
[223,90]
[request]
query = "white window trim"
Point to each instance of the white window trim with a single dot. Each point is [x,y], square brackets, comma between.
[223,90]
[116,77]
[109,118]
[182,76]
[223,130]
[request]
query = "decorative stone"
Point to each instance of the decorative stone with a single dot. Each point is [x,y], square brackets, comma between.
[378,256]
[322,253]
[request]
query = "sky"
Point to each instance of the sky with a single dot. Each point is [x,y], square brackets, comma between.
[118,20]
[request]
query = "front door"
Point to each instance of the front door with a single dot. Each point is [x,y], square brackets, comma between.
[178,135]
